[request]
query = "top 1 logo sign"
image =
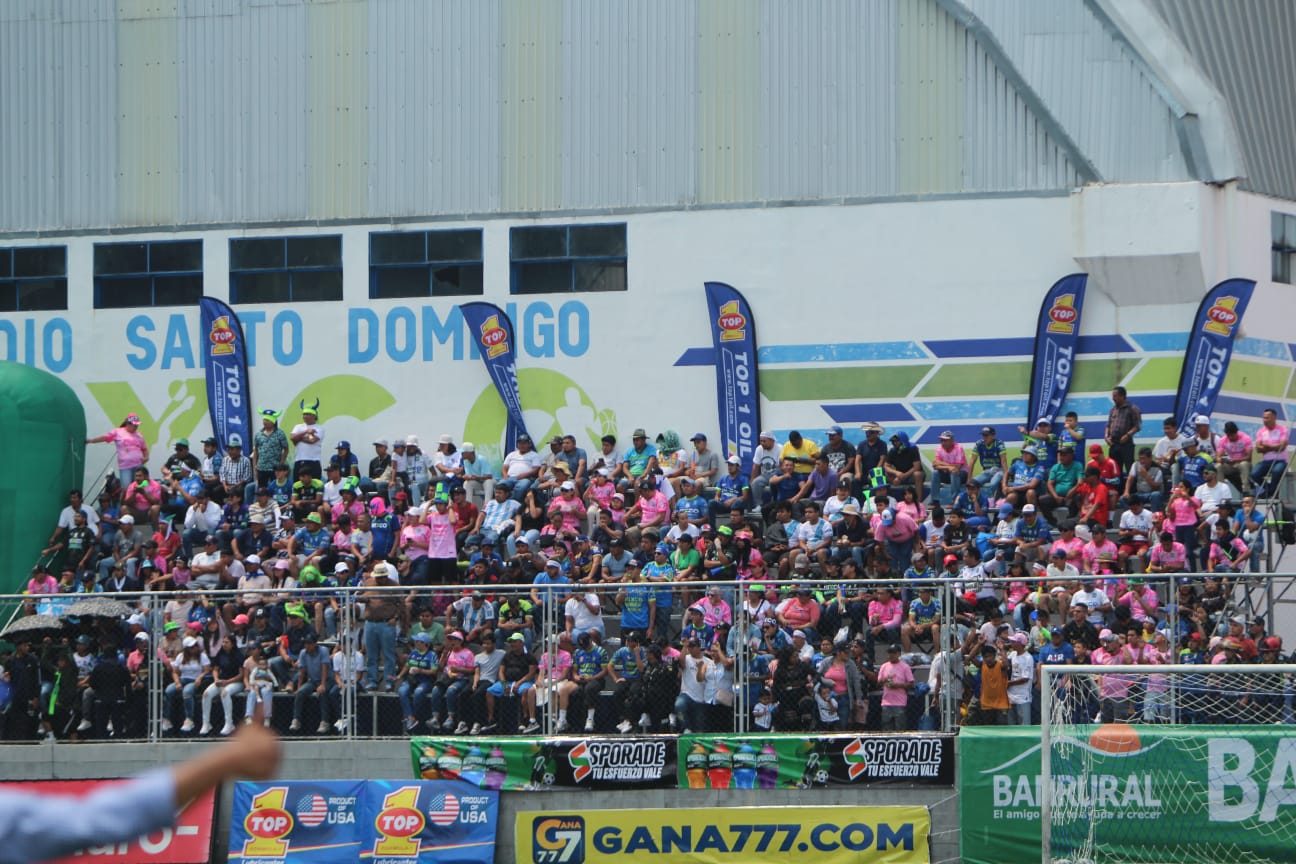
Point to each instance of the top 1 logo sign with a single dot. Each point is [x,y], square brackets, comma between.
[494,338]
[222,336]
[1063,315]
[1222,317]
[732,323]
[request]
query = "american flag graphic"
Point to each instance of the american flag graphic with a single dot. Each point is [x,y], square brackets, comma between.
[311,810]
[443,808]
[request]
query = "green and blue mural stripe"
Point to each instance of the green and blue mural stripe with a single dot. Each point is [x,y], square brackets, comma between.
[841,352]
[878,412]
[1021,346]
[800,385]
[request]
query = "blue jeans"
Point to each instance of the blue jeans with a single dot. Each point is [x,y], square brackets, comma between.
[900,554]
[1266,476]
[518,488]
[412,698]
[307,691]
[947,485]
[184,692]
[445,700]
[379,639]
[990,481]
[691,713]
[106,568]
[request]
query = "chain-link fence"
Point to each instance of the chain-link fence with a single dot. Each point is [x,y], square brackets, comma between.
[548,658]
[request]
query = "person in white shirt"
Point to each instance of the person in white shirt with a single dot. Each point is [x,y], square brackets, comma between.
[765,461]
[1095,600]
[1021,679]
[333,486]
[308,437]
[1205,438]
[584,615]
[1212,494]
[694,670]
[1167,448]
[521,468]
[202,518]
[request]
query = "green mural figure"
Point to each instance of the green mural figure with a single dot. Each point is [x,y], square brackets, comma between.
[552,404]
[185,408]
[339,396]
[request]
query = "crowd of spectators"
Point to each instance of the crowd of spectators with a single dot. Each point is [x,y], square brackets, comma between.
[588,576]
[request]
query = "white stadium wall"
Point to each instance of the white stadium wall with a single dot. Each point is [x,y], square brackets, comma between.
[919,314]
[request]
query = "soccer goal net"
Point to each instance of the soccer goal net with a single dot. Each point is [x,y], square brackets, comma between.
[1164,764]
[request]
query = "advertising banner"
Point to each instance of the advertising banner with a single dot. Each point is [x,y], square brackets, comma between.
[189,842]
[733,333]
[726,835]
[322,822]
[1056,336]
[1146,793]
[540,763]
[493,334]
[792,762]
[225,361]
[1210,347]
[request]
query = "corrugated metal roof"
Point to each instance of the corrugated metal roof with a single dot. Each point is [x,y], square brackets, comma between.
[191,112]
[1247,48]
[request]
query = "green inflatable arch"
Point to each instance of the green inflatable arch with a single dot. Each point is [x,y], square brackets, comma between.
[44,427]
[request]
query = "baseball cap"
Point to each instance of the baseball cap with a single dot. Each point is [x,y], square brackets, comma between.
[341,567]
[554,564]
[888,517]
[1201,420]
[834,430]
[947,435]
[240,619]
[1029,508]
[796,633]
[766,434]
[639,433]
[516,637]
[188,642]
[314,517]
[951,559]
[252,559]
[567,486]
[171,627]
[445,439]
[182,442]
[734,460]
[344,445]
[1106,635]
[1059,553]
[141,637]
[468,447]
[381,442]
[423,637]
[127,520]
[987,430]
[698,436]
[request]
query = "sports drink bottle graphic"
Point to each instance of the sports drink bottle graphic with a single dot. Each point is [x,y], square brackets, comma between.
[744,762]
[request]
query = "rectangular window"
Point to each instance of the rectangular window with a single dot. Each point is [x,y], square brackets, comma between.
[163,273]
[285,269]
[33,278]
[551,259]
[425,263]
[1284,247]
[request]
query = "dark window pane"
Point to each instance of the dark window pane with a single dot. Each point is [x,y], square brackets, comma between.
[537,243]
[124,293]
[177,290]
[257,253]
[315,251]
[458,281]
[600,276]
[316,285]
[1276,227]
[542,278]
[400,248]
[40,261]
[454,245]
[266,287]
[6,263]
[175,257]
[1289,232]
[36,295]
[389,282]
[1282,263]
[598,241]
[8,295]
[110,258]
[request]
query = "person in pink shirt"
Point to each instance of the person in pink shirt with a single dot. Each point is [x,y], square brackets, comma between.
[1113,690]
[1233,457]
[443,557]
[1071,545]
[885,616]
[949,470]
[132,449]
[896,680]
[414,539]
[551,674]
[1271,443]
[570,506]
[715,611]
[800,612]
[1099,554]
[652,508]
[1141,600]
[143,497]
[1167,556]
[1183,513]
[598,496]
[42,582]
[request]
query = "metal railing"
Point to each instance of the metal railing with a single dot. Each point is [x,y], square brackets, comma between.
[337,613]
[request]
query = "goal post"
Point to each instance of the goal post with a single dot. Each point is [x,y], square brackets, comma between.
[1144,764]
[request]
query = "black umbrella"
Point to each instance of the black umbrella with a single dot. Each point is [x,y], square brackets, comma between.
[34,627]
[97,607]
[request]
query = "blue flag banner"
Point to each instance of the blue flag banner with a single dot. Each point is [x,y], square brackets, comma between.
[225,361]
[493,332]
[1055,348]
[1210,347]
[737,392]
[344,821]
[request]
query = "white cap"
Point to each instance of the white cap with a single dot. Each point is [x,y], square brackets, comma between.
[1029,508]
[1201,420]
[381,442]
[127,519]
[445,439]
[796,633]
[189,642]
[252,559]
[734,460]
[467,447]
[411,441]
[342,567]
[141,637]
[766,434]
[567,484]
[605,472]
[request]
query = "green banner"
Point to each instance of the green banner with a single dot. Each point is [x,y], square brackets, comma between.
[1130,793]
[541,763]
[794,762]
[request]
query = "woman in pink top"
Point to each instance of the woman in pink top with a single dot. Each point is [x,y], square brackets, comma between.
[132,449]
[443,557]
[1141,600]
[911,506]
[1184,512]
[42,582]
[571,507]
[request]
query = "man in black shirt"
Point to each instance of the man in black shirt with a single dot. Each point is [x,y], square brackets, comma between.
[1078,629]
[517,675]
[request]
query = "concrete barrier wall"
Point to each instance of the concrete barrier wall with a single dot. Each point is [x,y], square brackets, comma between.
[307,760]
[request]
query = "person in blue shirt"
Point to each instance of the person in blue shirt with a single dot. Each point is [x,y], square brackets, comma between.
[973,504]
[691,503]
[1192,464]
[549,586]
[624,670]
[1056,653]
[992,456]
[637,599]
[281,486]
[311,542]
[639,460]
[417,679]
[660,571]
[1025,478]
[580,692]
[384,527]
[696,628]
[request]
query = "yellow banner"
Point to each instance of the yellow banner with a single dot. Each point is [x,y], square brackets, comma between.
[726,835]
